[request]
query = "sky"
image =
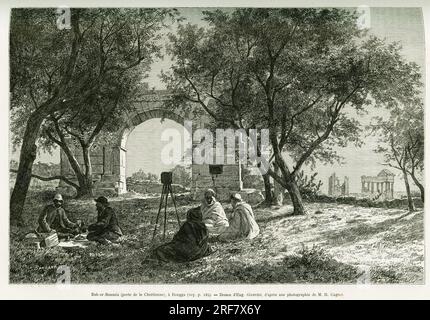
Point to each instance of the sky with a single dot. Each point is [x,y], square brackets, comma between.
[394,24]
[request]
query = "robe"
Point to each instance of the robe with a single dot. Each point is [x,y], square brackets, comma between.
[189,243]
[214,217]
[242,224]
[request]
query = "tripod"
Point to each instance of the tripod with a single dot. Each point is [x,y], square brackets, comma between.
[167,188]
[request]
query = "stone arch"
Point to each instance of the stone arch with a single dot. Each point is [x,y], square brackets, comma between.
[140,118]
[109,161]
[129,126]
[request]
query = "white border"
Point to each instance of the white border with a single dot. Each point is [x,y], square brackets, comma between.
[14,291]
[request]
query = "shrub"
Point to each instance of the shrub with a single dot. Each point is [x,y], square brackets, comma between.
[309,187]
[316,266]
[384,275]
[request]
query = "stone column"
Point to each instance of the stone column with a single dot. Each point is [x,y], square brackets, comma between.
[362,186]
[372,187]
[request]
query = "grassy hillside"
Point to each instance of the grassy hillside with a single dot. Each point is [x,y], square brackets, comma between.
[333,244]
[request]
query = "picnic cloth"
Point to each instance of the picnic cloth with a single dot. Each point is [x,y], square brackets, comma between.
[80,241]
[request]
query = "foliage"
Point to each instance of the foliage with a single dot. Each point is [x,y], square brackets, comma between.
[308,186]
[181,176]
[366,202]
[302,73]
[141,176]
[384,275]
[314,265]
[76,82]
[401,141]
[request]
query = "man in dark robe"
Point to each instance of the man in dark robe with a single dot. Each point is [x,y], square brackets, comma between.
[53,218]
[106,230]
[189,243]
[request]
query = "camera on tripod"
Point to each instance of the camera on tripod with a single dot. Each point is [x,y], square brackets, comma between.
[166,177]
[215,169]
[166,180]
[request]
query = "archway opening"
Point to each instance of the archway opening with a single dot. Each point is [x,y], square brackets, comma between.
[154,146]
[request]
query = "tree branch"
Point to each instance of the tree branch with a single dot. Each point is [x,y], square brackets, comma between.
[59,177]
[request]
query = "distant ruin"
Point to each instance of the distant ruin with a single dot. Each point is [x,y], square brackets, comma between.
[380,187]
[335,188]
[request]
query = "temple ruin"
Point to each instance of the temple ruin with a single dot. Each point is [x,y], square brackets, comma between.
[378,187]
[335,188]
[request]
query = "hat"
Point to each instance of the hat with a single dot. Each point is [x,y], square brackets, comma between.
[102,200]
[236,196]
[58,197]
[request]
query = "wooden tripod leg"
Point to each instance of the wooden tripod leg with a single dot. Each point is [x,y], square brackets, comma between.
[174,203]
[158,214]
[165,211]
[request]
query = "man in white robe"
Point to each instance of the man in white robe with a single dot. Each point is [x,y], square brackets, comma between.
[213,214]
[242,224]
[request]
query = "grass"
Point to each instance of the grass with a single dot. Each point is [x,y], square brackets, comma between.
[332,247]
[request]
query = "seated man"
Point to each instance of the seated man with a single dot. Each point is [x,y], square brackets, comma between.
[242,223]
[188,244]
[213,214]
[53,218]
[106,229]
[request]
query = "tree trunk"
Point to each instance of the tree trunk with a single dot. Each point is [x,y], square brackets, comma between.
[419,185]
[411,206]
[296,198]
[26,159]
[89,186]
[85,188]
[268,190]
[278,190]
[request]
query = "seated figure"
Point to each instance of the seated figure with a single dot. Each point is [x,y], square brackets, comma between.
[213,214]
[242,224]
[53,218]
[188,244]
[106,229]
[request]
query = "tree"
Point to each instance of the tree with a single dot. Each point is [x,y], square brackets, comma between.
[93,122]
[52,70]
[401,140]
[181,176]
[415,145]
[304,74]
[141,176]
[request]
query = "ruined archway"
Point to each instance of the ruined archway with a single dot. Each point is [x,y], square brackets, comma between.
[125,132]
[109,161]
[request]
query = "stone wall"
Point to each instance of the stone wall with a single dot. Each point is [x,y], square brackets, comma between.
[152,187]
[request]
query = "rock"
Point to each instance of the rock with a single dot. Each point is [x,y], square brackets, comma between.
[253,182]
[318,212]
[252,196]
